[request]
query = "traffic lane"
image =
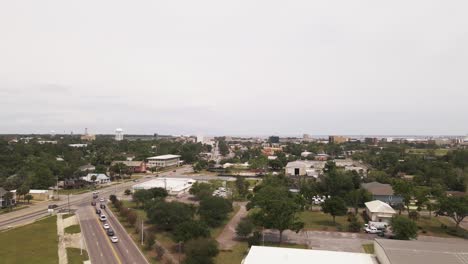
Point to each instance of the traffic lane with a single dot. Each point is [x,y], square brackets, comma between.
[97,242]
[126,247]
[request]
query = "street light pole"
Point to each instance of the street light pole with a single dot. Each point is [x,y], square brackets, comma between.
[142,232]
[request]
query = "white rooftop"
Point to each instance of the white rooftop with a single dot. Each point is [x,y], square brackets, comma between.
[275,255]
[379,207]
[170,184]
[164,157]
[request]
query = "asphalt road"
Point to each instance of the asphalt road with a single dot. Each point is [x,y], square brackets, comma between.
[100,248]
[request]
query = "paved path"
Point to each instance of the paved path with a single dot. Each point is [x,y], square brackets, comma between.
[62,251]
[227,238]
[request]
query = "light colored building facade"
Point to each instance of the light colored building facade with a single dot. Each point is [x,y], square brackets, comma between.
[163,161]
[378,211]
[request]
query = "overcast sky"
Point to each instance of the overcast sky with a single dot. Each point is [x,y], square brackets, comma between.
[239,67]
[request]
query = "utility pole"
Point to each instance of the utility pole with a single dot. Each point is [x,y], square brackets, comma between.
[68,202]
[142,231]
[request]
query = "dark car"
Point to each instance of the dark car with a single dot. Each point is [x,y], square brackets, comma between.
[93,203]
[110,232]
[98,211]
[103,206]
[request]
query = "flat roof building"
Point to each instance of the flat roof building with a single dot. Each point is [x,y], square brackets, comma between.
[276,255]
[174,186]
[163,161]
[389,251]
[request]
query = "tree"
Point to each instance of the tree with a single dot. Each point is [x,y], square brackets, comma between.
[22,190]
[334,206]
[214,210]
[201,190]
[28,197]
[245,227]
[167,216]
[132,217]
[191,230]
[112,198]
[158,193]
[242,186]
[356,198]
[150,239]
[455,207]
[278,209]
[142,196]
[404,228]
[404,189]
[93,178]
[201,251]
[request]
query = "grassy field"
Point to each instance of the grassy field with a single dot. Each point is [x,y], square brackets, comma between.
[34,243]
[322,221]
[368,248]
[65,216]
[73,229]
[74,256]
[434,227]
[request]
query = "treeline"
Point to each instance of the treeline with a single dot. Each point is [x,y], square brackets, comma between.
[39,166]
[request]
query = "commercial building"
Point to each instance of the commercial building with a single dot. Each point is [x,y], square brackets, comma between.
[133,166]
[337,139]
[378,211]
[174,186]
[163,161]
[382,192]
[276,255]
[390,251]
[100,178]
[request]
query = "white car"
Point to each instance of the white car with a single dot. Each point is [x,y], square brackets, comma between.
[101,200]
[106,226]
[371,230]
[103,218]
[114,239]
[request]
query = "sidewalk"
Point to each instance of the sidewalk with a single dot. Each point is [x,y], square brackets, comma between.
[227,238]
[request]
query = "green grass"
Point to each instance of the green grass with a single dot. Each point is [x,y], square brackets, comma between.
[34,243]
[73,229]
[433,227]
[74,256]
[322,221]
[234,256]
[16,208]
[368,248]
[65,216]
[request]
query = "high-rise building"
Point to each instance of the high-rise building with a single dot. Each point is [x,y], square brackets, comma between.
[119,134]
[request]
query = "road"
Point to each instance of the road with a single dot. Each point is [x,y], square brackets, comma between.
[29,215]
[100,248]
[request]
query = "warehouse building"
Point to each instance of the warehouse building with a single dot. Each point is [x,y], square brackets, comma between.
[163,161]
[174,186]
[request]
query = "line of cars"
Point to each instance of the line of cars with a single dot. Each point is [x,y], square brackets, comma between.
[103,218]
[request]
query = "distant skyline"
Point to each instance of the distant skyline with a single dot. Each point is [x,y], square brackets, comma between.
[234,68]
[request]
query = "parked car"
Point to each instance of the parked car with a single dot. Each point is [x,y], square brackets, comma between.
[101,200]
[114,239]
[103,218]
[372,230]
[98,211]
[95,196]
[110,232]
[106,226]
[103,206]
[93,203]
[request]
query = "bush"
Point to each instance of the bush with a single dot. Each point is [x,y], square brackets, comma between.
[255,239]
[150,239]
[354,224]
[127,192]
[201,251]
[245,227]
[112,198]
[191,230]
[404,228]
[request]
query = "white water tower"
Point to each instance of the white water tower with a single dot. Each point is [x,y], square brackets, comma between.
[119,134]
